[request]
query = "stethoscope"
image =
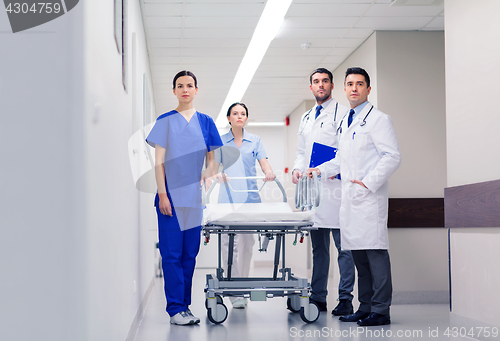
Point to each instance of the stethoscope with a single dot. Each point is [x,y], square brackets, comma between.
[339,129]
[334,118]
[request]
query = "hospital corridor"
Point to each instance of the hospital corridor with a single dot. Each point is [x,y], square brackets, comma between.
[337,158]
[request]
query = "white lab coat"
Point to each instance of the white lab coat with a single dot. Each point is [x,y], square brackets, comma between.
[369,153]
[321,130]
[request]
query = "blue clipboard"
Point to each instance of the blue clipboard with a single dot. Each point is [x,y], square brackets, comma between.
[320,154]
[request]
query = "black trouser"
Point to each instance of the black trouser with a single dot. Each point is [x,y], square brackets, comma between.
[320,239]
[374,280]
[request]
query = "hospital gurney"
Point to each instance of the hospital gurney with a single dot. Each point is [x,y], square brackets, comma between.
[269,221]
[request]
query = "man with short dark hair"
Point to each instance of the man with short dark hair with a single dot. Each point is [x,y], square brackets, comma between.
[368,155]
[318,127]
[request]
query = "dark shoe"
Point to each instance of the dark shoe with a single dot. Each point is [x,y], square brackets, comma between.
[321,305]
[343,308]
[375,320]
[359,315]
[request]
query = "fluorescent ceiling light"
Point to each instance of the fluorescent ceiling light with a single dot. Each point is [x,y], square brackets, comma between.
[269,24]
[266,124]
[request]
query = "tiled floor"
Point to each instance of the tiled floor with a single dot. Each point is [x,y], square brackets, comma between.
[270,320]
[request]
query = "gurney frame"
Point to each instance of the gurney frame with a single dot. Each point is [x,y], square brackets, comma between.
[283,282]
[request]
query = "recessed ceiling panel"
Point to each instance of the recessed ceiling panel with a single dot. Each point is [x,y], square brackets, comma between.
[328,10]
[297,42]
[223,9]
[297,51]
[350,42]
[221,22]
[218,33]
[162,22]
[157,33]
[171,10]
[210,37]
[393,23]
[320,22]
[383,10]
[304,33]
[216,43]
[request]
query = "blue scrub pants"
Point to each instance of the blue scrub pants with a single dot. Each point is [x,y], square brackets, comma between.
[179,248]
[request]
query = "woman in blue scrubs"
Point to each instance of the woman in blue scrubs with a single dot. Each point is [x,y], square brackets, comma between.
[250,149]
[183,138]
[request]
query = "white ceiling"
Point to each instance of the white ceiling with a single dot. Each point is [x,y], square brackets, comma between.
[209,38]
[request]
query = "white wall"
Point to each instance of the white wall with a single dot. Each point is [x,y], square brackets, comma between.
[471,63]
[365,56]
[42,188]
[121,221]
[78,239]
[411,89]
[419,260]
[475,277]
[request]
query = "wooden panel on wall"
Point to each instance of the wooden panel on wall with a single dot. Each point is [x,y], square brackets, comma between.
[416,212]
[475,205]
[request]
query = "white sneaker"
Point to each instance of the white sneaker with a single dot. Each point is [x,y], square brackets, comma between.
[196,319]
[182,318]
[240,303]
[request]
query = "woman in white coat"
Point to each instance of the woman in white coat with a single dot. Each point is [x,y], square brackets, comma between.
[368,155]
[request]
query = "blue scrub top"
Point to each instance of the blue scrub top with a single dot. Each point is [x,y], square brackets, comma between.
[251,150]
[186,144]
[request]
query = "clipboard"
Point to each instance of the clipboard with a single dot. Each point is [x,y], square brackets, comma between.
[320,154]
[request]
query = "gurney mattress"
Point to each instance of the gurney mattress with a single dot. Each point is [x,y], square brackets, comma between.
[254,212]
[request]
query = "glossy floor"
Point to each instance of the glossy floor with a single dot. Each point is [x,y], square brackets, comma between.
[270,320]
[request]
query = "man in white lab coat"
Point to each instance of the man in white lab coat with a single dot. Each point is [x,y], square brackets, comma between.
[368,155]
[319,125]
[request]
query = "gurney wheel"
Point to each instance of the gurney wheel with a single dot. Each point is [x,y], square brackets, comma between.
[220,314]
[219,301]
[293,303]
[313,313]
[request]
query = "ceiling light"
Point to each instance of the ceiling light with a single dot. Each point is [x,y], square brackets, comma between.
[269,24]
